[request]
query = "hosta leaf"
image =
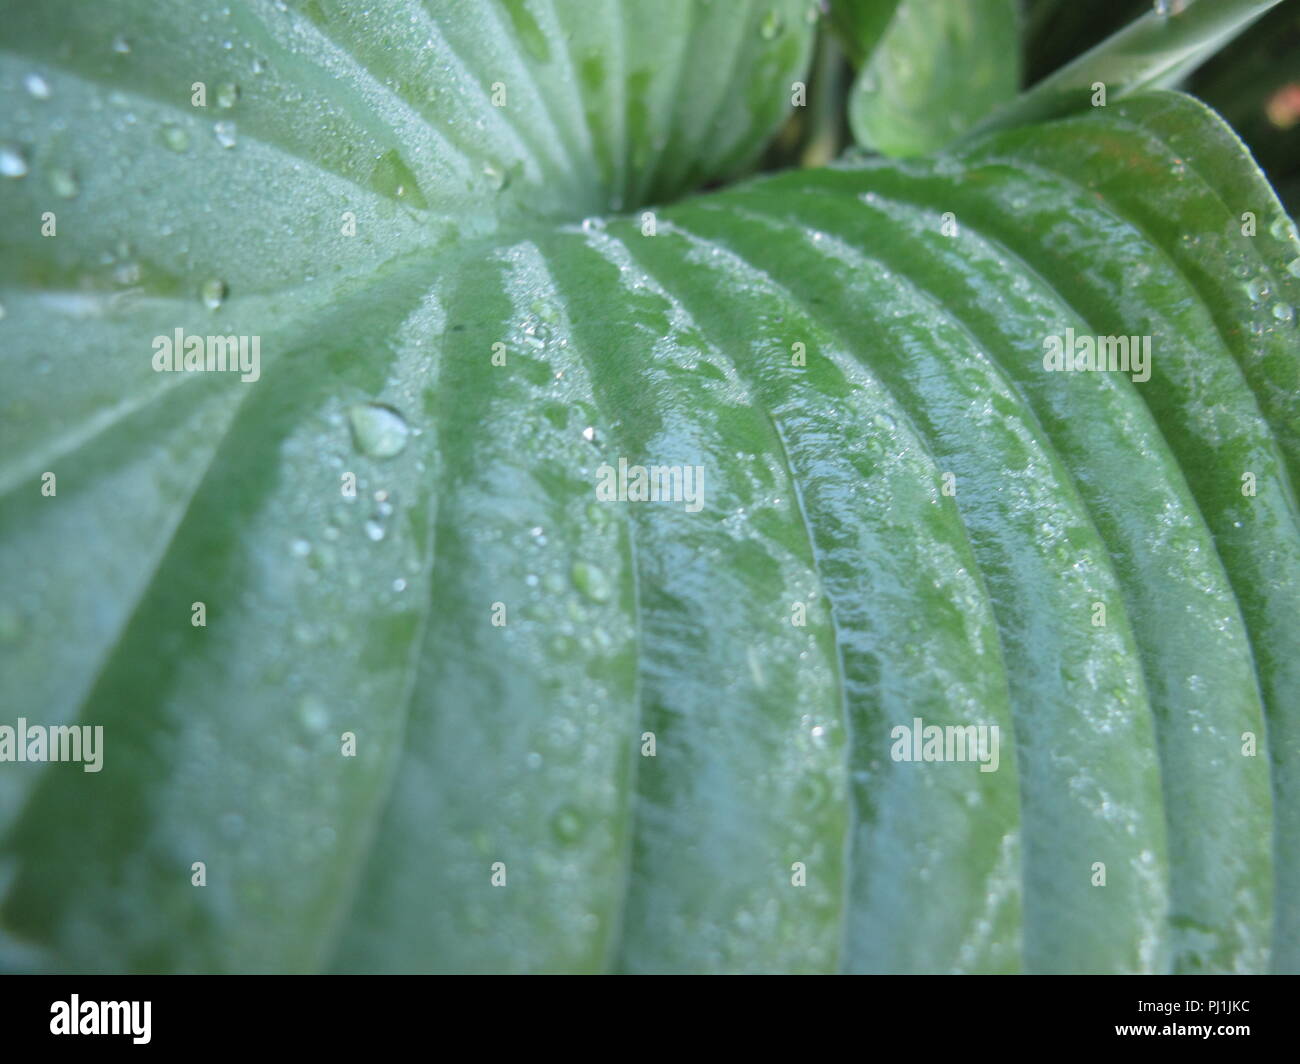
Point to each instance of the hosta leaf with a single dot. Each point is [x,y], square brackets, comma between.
[938,68]
[853,357]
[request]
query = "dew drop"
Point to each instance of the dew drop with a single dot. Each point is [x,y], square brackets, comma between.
[312,714]
[213,293]
[772,25]
[175,138]
[593,225]
[1293,267]
[37,87]
[121,45]
[378,431]
[496,176]
[12,161]
[374,530]
[227,95]
[300,547]
[226,134]
[1284,312]
[63,183]
[1258,290]
[566,825]
[591,581]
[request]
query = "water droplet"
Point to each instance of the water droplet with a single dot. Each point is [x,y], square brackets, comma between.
[1258,290]
[121,45]
[12,161]
[259,66]
[175,138]
[1293,267]
[1284,312]
[225,133]
[300,547]
[1280,228]
[63,183]
[566,825]
[399,585]
[37,86]
[772,26]
[593,225]
[589,434]
[591,581]
[377,430]
[227,95]
[374,530]
[497,178]
[213,293]
[312,714]
[533,760]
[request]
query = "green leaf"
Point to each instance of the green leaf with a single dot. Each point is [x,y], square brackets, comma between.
[938,69]
[853,357]
[859,24]
[1156,51]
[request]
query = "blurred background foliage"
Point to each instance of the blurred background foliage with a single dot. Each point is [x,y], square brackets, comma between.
[894,106]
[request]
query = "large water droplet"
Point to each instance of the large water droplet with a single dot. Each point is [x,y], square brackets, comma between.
[377,430]
[213,293]
[227,95]
[1284,312]
[37,87]
[12,161]
[1280,228]
[1257,289]
[497,178]
[591,581]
